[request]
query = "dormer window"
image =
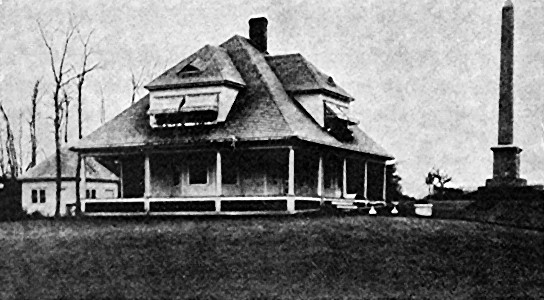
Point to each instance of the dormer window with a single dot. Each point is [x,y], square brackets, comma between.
[337,121]
[334,111]
[199,90]
[185,110]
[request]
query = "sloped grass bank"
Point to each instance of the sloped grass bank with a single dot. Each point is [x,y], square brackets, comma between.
[520,214]
[268,258]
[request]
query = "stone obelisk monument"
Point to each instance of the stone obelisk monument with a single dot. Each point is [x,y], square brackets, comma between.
[505,155]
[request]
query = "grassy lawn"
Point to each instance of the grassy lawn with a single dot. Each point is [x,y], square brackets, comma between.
[268,258]
[521,214]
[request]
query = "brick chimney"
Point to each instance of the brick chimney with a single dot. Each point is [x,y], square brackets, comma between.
[257,33]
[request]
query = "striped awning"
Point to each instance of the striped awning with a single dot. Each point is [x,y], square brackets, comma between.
[340,113]
[184,103]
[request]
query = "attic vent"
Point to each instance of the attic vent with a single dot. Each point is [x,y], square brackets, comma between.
[196,65]
[188,69]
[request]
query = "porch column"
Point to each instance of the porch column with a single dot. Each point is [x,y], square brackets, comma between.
[218,181]
[291,182]
[344,178]
[320,176]
[218,175]
[83,178]
[147,182]
[121,180]
[365,183]
[384,180]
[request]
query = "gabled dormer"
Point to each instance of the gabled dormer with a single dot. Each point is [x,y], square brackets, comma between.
[326,102]
[200,90]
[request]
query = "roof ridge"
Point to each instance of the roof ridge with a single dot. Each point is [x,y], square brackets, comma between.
[294,132]
[252,57]
[215,61]
[284,55]
[312,69]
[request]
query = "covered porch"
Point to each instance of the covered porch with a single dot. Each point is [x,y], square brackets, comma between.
[249,180]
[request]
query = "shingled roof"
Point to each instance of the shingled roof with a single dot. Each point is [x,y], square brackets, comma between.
[298,75]
[208,65]
[263,110]
[46,170]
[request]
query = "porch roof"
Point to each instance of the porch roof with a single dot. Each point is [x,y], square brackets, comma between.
[262,111]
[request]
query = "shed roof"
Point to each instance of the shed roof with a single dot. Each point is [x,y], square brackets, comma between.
[47,169]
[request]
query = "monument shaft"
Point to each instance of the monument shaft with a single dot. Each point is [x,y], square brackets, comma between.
[506,100]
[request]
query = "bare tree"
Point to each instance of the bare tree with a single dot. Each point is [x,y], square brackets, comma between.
[10,146]
[2,163]
[20,142]
[59,72]
[102,106]
[438,177]
[136,81]
[66,107]
[85,69]
[32,124]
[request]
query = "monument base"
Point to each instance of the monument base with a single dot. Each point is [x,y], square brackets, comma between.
[511,192]
[506,182]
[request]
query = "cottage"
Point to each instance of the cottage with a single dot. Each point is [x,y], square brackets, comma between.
[39,188]
[232,129]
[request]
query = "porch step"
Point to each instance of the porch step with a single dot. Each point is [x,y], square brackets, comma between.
[346,207]
[342,202]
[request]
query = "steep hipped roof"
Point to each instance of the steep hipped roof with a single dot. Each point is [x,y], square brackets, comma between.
[263,110]
[208,65]
[46,170]
[298,75]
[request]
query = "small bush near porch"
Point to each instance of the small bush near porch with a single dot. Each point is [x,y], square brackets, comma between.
[268,258]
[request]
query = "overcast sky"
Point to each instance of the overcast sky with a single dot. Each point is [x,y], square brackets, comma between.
[424,73]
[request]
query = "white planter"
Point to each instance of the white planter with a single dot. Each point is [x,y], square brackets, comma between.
[425,210]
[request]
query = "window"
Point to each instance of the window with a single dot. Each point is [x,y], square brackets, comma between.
[34,196]
[355,173]
[42,196]
[109,193]
[38,196]
[198,174]
[90,194]
[337,121]
[332,173]
[229,169]
[176,175]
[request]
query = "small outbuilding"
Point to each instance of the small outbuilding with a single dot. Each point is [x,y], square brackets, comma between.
[38,189]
